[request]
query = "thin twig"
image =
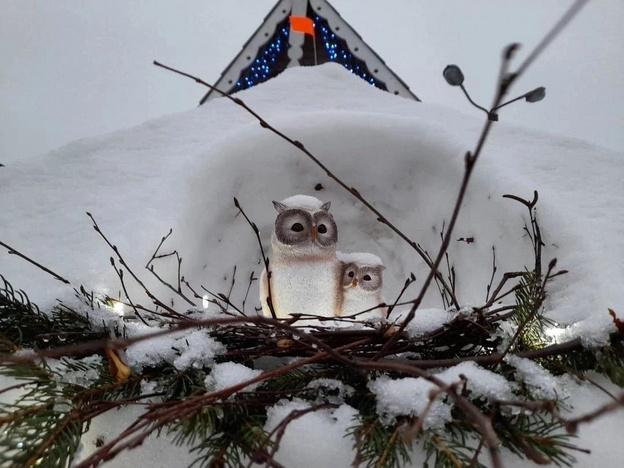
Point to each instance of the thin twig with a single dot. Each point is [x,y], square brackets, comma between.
[119,272]
[150,267]
[265,259]
[12,251]
[505,82]
[251,280]
[572,424]
[226,300]
[154,299]
[229,294]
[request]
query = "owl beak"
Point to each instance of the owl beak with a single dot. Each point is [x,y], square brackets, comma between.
[313,233]
[355,282]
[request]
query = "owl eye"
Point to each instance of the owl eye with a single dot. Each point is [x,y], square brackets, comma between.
[297,227]
[366,278]
[351,274]
[322,229]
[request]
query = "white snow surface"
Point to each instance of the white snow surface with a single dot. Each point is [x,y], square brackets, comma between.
[406,158]
[316,438]
[76,376]
[228,374]
[183,349]
[361,258]
[425,320]
[542,384]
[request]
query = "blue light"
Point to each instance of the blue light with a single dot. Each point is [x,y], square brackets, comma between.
[338,52]
[261,69]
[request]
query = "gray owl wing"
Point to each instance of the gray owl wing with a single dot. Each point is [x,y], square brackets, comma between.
[264,294]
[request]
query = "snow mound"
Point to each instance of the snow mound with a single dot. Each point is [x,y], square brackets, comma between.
[405,158]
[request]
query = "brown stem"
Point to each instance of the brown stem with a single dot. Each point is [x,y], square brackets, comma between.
[572,424]
[150,267]
[30,260]
[265,259]
[149,294]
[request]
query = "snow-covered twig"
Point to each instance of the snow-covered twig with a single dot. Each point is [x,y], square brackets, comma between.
[164,413]
[474,415]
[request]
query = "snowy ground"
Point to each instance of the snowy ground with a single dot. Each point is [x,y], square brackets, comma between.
[406,158]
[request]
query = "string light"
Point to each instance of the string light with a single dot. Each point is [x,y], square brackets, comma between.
[555,333]
[265,66]
[205,301]
[118,307]
[270,59]
[338,51]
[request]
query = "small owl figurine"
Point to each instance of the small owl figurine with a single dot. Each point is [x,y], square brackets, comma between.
[362,284]
[305,273]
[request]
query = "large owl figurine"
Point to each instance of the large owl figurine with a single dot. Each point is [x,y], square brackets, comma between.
[305,273]
[362,284]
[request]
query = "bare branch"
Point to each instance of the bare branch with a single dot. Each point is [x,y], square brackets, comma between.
[30,260]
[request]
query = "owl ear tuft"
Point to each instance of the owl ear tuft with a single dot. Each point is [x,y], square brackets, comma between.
[280,207]
[326,206]
[382,268]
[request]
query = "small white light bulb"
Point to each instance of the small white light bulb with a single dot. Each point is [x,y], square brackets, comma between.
[555,333]
[119,308]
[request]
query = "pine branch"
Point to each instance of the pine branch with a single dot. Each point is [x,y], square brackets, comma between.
[22,324]
[377,445]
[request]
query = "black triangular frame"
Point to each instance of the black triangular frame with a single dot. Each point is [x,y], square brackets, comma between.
[271,49]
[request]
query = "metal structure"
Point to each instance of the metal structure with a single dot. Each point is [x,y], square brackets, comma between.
[273,47]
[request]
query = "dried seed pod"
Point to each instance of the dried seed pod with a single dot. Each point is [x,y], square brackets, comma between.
[453,75]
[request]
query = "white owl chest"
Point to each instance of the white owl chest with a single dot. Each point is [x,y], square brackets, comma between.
[306,287]
[356,300]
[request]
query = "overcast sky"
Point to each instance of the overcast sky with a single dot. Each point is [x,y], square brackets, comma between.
[74,69]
